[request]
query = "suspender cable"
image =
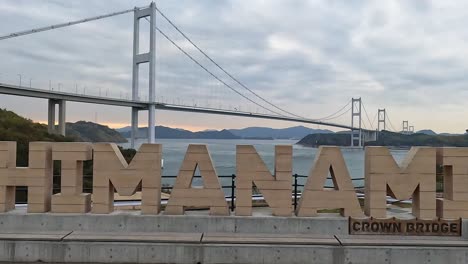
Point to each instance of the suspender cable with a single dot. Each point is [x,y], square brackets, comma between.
[222,69]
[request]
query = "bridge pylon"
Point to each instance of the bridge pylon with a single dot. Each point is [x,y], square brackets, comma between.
[61,116]
[139,58]
[381,114]
[381,120]
[356,134]
[405,126]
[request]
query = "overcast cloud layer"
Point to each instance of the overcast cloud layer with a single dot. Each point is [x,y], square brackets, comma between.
[310,57]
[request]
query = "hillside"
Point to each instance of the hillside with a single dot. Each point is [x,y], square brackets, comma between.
[16,128]
[296,132]
[387,138]
[335,139]
[427,132]
[92,132]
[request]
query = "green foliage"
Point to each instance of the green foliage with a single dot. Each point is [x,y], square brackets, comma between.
[16,128]
[329,139]
[387,138]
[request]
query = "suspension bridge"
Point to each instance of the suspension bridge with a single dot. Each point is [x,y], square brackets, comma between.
[225,80]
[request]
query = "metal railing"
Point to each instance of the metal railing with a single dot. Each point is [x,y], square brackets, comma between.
[297,187]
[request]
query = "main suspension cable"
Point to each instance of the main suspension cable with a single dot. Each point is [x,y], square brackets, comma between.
[71,23]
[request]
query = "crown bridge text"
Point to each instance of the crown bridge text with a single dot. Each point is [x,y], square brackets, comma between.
[415,179]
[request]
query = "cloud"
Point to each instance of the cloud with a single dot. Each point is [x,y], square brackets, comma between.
[309,57]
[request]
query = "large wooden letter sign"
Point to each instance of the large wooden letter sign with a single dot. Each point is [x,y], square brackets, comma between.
[314,197]
[71,199]
[37,177]
[416,179]
[183,195]
[275,189]
[455,171]
[111,170]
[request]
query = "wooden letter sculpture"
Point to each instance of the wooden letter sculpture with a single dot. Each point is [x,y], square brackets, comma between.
[183,195]
[111,170]
[314,197]
[37,177]
[276,189]
[455,171]
[416,179]
[71,198]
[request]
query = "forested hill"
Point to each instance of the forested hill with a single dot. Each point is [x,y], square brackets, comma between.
[92,132]
[387,138]
[17,128]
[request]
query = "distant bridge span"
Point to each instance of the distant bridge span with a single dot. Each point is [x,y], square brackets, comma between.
[83,98]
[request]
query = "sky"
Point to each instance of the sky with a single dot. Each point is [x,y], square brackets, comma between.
[308,57]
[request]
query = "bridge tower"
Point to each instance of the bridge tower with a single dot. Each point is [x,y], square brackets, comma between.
[139,58]
[381,119]
[356,134]
[61,116]
[405,127]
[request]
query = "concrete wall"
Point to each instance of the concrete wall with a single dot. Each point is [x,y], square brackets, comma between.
[22,249]
[135,222]
[99,252]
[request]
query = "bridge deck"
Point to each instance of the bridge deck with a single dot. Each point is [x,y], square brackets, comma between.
[83,98]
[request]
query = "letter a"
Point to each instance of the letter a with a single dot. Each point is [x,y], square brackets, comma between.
[314,197]
[184,195]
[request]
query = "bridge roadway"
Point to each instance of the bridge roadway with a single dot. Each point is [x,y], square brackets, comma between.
[83,98]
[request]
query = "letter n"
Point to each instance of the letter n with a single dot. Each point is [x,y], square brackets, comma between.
[110,170]
[37,177]
[329,160]
[455,173]
[183,195]
[416,179]
[276,189]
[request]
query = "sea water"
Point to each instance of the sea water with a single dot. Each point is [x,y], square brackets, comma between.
[223,154]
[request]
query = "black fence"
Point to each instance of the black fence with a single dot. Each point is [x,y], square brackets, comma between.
[21,192]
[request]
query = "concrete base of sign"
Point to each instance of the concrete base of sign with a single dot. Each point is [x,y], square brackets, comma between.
[128,237]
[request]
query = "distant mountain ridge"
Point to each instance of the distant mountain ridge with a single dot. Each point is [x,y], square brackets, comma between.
[296,132]
[432,133]
[167,132]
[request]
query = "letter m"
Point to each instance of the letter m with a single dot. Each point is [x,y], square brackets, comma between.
[415,179]
[110,170]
